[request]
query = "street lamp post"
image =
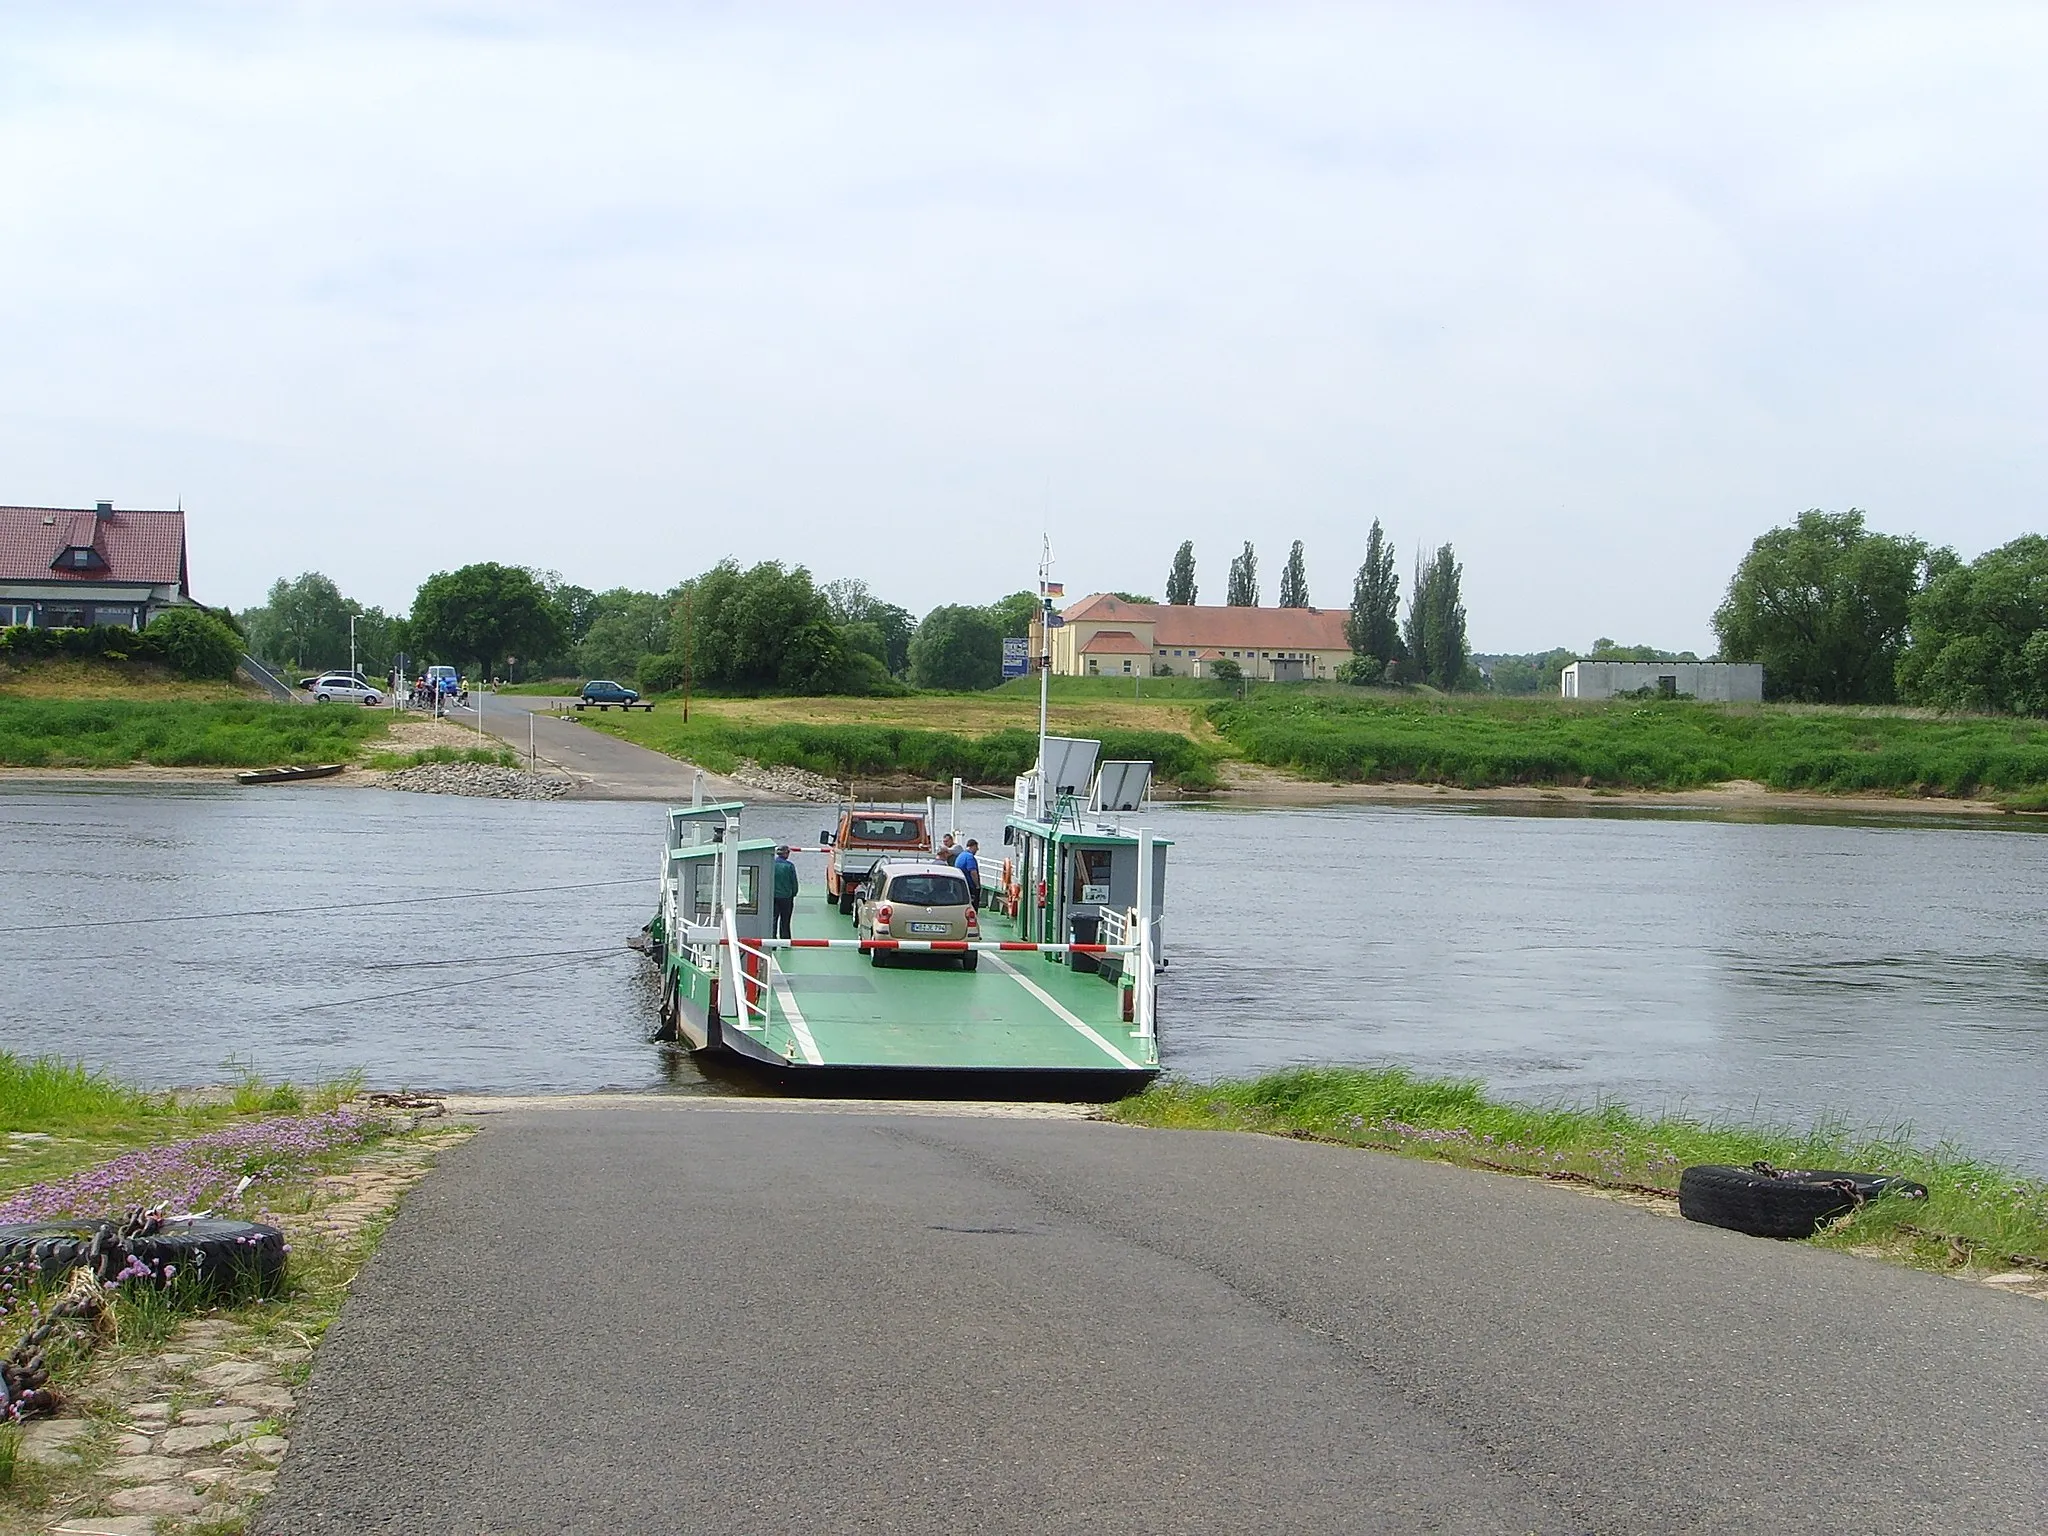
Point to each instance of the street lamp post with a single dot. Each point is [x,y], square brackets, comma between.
[352,646]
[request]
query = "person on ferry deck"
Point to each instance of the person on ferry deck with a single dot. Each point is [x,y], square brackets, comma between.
[785,892]
[968,862]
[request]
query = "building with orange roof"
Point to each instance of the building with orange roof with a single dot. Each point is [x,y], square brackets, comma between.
[1103,635]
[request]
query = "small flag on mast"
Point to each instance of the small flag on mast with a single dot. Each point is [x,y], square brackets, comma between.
[1055,589]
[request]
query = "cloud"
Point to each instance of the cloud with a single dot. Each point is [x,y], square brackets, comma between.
[1596,293]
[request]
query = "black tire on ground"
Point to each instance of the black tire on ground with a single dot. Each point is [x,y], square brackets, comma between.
[878,958]
[206,1252]
[845,902]
[1791,1205]
[970,961]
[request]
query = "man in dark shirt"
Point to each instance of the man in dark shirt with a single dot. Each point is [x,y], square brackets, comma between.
[785,892]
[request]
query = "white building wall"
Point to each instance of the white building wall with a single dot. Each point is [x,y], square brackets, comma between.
[1718,682]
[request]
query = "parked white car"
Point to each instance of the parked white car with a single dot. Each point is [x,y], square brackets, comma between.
[339,685]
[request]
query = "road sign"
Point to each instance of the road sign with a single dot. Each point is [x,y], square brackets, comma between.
[1016,657]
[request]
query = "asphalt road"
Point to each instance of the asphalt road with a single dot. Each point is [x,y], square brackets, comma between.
[725,1318]
[604,767]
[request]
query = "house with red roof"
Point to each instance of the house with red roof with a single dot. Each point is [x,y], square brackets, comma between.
[64,568]
[1103,635]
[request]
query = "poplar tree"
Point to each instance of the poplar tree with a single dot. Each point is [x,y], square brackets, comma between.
[1180,581]
[1244,579]
[1436,621]
[1374,627]
[1294,580]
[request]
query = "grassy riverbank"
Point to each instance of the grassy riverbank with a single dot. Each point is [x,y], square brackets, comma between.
[178,733]
[876,749]
[1976,1214]
[1485,742]
[77,1144]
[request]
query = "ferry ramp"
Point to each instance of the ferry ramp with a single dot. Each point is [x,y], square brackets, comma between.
[742,1317]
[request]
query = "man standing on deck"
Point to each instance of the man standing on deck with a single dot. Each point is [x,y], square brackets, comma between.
[969,865]
[785,892]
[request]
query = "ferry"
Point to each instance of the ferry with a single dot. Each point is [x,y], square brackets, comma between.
[1053,992]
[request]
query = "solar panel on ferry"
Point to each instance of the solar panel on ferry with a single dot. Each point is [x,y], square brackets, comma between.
[885,829]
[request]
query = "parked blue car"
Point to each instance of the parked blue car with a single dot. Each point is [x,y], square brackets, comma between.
[606,692]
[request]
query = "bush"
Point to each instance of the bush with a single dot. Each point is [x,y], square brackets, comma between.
[660,674]
[1224,670]
[190,641]
[194,644]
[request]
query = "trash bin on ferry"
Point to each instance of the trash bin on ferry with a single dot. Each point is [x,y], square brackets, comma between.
[1084,928]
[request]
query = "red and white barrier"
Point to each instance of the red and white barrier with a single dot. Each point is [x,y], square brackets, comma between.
[948,946]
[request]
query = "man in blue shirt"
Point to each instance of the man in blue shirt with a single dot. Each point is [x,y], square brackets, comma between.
[970,866]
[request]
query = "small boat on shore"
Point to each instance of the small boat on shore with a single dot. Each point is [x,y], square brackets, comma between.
[290,775]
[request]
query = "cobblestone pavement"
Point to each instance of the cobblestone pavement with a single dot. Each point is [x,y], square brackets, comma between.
[191,1435]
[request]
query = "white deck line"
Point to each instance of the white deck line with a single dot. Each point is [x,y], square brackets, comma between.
[1053,1003]
[798,1025]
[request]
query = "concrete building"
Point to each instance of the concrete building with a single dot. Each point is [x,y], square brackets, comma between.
[1105,636]
[1720,682]
[62,568]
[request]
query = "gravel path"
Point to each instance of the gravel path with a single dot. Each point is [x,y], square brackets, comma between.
[675,1319]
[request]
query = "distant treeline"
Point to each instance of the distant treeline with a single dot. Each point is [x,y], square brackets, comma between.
[763,628]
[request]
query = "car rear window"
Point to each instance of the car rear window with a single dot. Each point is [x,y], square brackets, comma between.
[885,829]
[929,890]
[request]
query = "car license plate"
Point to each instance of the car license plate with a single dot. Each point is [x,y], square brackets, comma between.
[930,927]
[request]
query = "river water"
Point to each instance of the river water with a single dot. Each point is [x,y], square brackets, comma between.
[1881,972]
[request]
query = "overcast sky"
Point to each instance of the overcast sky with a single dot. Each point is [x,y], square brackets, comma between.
[1595,293]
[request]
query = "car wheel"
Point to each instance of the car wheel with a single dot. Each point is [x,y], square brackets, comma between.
[322,698]
[846,903]
[970,961]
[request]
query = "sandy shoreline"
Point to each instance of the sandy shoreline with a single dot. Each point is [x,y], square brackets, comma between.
[1248,788]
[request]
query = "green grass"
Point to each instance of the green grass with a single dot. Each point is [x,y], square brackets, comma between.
[1479,743]
[393,762]
[1974,1208]
[112,733]
[58,1116]
[1077,689]
[870,751]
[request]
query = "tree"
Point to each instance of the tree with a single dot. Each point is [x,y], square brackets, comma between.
[304,623]
[851,603]
[957,647]
[1244,579]
[1825,606]
[483,613]
[195,644]
[1224,670]
[753,628]
[1436,621]
[1013,614]
[1374,627]
[1537,672]
[1980,632]
[1180,581]
[1294,580]
[626,626]
[1136,597]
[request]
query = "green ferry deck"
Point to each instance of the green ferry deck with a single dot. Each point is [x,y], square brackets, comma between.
[1039,1019]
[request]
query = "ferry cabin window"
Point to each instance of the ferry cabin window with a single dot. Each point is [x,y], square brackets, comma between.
[749,902]
[1091,867]
[886,829]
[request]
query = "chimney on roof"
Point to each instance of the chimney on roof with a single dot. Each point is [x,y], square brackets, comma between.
[103,511]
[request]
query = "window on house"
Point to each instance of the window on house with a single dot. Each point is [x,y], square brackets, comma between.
[12,614]
[58,617]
